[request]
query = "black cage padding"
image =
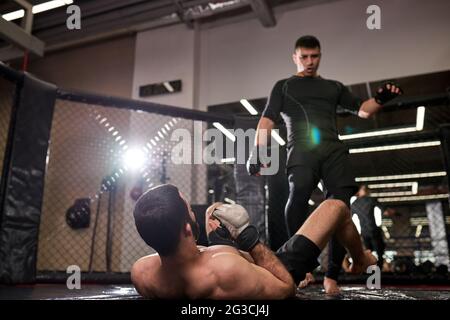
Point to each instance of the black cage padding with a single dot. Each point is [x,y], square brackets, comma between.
[25,181]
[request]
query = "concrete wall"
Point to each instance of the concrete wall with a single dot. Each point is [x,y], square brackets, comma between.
[104,68]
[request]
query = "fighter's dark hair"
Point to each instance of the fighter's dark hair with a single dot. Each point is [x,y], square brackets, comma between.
[307,41]
[159,215]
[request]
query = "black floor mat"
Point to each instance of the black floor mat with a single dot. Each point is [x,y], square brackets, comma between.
[355,292]
[127,292]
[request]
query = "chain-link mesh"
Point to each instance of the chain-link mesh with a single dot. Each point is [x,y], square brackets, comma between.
[6,100]
[88,147]
[405,185]
[416,238]
[89,143]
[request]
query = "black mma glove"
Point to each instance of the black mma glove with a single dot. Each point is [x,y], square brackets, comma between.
[235,218]
[385,94]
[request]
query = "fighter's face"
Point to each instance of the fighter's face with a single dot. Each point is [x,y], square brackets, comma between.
[307,60]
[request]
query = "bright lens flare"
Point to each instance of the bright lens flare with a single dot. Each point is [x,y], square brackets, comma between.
[134,159]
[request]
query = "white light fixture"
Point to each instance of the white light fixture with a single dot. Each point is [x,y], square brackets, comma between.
[355,220]
[418,230]
[319,185]
[14,15]
[168,86]
[277,137]
[392,194]
[222,129]
[134,159]
[249,107]
[403,176]
[396,147]
[228,160]
[376,133]
[413,185]
[49,5]
[420,119]
[386,232]
[392,185]
[378,216]
[227,200]
[415,198]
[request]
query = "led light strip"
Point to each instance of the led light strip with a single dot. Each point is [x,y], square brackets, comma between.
[277,137]
[414,188]
[402,176]
[392,185]
[228,160]
[420,119]
[418,231]
[249,107]
[414,198]
[225,131]
[392,194]
[396,147]
[168,86]
[228,200]
[49,5]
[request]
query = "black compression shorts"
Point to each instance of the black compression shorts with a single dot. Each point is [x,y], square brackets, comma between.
[300,256]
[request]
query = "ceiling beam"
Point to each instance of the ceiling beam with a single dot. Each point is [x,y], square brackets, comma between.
[10,53]
[264,13]
[14,34]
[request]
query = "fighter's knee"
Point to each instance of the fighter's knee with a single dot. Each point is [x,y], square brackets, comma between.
[338,206]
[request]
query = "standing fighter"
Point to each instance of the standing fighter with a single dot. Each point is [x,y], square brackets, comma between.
[308,103]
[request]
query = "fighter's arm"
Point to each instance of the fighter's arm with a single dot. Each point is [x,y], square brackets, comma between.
[138,275]
[385,93]
[369,107]
[239,279]
[266,123]
[270,114]
[263,131]
[267,278]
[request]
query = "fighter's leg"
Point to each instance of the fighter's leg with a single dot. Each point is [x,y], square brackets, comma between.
[302,182]
[333,217]
[379,247]
[336,251]
[339,183]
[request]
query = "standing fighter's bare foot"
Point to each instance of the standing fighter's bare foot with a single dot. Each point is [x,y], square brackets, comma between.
[331,286]
[360,265]
[309,278]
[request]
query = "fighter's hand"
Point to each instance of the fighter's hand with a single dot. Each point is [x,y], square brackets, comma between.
[211,223]
[216,233]
[254,163]
[237,221]
[387,92]
[234,217]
